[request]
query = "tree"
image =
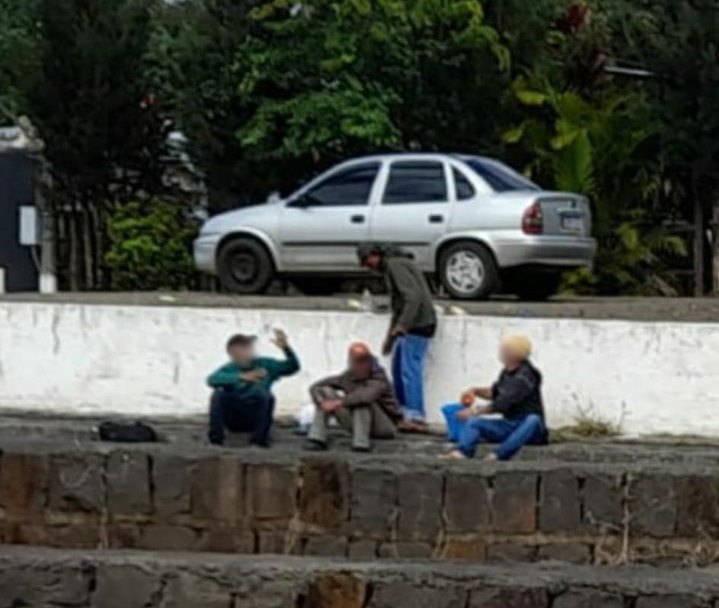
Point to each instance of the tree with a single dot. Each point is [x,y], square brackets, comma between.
[19,57]
[104,131]
[279,90]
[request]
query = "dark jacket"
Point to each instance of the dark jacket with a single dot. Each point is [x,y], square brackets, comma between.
[411,300]
[362,391]
[518,393]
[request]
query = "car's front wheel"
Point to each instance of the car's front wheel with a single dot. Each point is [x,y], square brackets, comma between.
[468,271]
[244,266]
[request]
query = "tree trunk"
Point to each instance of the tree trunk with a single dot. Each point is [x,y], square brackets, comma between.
[715,248]
[87,249]
[698,243]
[73,243]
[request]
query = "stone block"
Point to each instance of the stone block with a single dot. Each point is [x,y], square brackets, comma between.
[160,537]
[79,535]
[394,595]
[602,497]
[172,483]
[668,601]
[405,550]
[574,553]
[469,549]
[76,482]
[420,505]
[466,503]
[510,551]
[45,586]
[514,502]
[216,490]
[324,495]
[128,484]
[226,539]
[653,506]
[271,492]
[362,549]
[374,502]
[326,546]
[337,590]
[283,543]
[23,485]
[120,586]
[559,507]
[588,598]
[184,590]
[503,597]
[698,507]
[124,535]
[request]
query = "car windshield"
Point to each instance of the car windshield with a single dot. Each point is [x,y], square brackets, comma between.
[499,176]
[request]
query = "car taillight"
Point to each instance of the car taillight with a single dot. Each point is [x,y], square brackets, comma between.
[532,221]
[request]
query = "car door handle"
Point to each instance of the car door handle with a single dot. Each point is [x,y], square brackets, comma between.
[436,219]
[357,219]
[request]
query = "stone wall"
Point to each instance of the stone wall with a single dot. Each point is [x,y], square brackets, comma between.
[40,579]
[162,498]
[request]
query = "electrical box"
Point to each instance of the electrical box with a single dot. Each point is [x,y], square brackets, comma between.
[29,226]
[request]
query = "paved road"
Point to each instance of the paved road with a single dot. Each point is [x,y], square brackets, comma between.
[644,309]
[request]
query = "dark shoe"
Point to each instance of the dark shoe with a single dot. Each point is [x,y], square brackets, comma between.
[313,445]
[362,449]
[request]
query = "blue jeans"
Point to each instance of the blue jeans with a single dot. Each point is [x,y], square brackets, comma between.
[241,412]
[407,367]
[512,435]
[454,424]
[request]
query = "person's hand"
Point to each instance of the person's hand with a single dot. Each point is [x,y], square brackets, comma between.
[397,330]
[466,414]
[281,340]
[467,398]
[254,375]
[330,405]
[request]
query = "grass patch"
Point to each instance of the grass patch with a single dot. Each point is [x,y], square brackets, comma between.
[587,427]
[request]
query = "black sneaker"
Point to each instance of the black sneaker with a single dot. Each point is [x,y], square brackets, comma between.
[314,445]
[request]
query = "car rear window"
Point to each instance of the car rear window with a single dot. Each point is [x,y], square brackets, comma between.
[499,176]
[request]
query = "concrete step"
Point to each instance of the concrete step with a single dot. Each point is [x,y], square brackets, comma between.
[183,496]
[35,578]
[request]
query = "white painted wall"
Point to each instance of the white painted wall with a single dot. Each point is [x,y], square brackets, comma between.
[651,377]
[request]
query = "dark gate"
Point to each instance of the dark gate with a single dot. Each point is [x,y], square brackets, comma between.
[16,189]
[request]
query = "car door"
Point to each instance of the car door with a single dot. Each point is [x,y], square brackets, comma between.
[321,227]
[414,208]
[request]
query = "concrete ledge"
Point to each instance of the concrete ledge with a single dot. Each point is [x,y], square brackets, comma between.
[118,579]
[184,497]
[651,377]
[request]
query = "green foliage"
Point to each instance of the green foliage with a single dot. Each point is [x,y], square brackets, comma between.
[19,56]
[149,246]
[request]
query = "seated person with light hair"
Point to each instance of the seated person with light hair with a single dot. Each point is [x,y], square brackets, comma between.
[361,399]
[515,396]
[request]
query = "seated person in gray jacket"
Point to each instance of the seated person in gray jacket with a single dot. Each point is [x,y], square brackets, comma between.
[361,399]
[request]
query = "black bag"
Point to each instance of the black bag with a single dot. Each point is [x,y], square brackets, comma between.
[127,432]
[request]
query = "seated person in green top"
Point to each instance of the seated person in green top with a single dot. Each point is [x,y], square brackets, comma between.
[242,400]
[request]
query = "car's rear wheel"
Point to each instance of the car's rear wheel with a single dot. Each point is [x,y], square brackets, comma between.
[468,271]
[537,287]
[244,266]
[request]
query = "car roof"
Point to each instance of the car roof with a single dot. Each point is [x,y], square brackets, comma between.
[395,155]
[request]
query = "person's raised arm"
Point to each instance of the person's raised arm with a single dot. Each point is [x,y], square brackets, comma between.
[291,364]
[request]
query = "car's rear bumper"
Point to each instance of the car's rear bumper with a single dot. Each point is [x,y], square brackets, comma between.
[559,251]
[205,252]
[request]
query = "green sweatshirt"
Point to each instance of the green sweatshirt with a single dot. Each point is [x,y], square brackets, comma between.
[228,376]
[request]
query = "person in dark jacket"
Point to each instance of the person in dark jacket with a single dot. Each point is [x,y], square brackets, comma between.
[516,396]
[412,325]
[361,399]
[242,400]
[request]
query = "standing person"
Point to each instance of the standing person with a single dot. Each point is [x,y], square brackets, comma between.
[361,399]
[516,396]
[242,400]
[411,327]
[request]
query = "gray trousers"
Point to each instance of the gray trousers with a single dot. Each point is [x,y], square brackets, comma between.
[364,422]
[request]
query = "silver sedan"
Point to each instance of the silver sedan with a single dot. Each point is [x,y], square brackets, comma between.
[472,222]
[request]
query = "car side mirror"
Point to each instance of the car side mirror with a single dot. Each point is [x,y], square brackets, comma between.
[301,202]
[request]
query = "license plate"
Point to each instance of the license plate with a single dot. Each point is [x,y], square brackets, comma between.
[572,224]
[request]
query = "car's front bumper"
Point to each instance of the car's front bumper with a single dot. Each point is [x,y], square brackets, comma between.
[205,252]
[541,250]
